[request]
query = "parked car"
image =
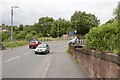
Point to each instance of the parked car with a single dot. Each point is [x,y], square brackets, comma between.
[42,48]
[34,44]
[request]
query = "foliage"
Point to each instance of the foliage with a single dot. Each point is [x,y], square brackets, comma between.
[15,44]
[5,36]
[54,31]
[44,25]
[83,22]
[104,38]
[29,36]
[33,32]
[48,39]
[21,35]
[60,27]
[21,27]
[117,12]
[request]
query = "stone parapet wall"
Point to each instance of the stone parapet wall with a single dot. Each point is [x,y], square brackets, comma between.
[97,64]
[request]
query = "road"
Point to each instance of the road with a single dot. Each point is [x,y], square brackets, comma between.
[21,62]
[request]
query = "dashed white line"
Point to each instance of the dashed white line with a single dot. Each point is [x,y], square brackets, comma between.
[12,59]
[27,53]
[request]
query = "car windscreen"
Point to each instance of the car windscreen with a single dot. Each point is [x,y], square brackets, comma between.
[33,42]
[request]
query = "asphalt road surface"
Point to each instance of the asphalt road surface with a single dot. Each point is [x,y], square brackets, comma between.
[21,62]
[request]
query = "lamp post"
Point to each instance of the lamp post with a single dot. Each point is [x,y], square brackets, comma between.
[75,32]
[58,30]
[12,24]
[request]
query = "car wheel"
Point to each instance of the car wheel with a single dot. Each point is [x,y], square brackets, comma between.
[48,51]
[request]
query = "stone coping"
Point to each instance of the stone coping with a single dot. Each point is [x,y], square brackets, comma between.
[103,55]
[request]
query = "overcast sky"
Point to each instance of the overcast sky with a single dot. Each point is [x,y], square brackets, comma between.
[30,11]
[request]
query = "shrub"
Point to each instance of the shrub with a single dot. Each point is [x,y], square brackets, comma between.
[15,44]
[104,38]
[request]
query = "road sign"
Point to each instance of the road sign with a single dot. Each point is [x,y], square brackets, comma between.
[72,32]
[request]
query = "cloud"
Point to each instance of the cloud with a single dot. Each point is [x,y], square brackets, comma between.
[31,10]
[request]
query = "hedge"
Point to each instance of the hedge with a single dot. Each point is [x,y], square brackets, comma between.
[104,38]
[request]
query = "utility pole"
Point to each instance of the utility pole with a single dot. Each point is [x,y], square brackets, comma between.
[12,24]
[58,31]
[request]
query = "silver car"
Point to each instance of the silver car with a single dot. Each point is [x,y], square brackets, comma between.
[42,48]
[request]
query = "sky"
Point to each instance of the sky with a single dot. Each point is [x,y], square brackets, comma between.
[30,11]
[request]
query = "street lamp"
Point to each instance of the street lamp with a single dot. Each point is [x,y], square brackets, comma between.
[75,32]
[58,30]
[12,24]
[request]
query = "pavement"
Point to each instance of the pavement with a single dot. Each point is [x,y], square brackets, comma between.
[21,62]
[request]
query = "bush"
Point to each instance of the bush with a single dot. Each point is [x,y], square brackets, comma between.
[15,44]
[104,38]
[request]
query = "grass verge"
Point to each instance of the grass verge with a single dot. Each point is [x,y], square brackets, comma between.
[48,39]
[15,44]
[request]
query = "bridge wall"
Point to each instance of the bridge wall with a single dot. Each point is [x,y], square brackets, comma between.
[97,64]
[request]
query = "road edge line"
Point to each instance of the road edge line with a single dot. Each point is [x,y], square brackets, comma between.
[45,72]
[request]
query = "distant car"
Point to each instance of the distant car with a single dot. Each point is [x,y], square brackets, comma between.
[42,48]
[34,44]
[77,42]
[74,40]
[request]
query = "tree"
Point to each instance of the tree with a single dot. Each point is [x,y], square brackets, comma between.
[60,27]
[21,27]
[117,17]
[29,36]
[28,28]
[107,36]
[21,35]
[83,22]
[44,25]
[5,36]
[53,31]
[33,32]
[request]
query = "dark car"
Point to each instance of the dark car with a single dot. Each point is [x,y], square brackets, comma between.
[34,44]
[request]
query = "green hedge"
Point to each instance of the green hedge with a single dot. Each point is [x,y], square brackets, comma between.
[48,39]
[15,44]
[104,38]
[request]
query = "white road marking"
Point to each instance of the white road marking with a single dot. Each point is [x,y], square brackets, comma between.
[27,53]
[46,69]
[12,59]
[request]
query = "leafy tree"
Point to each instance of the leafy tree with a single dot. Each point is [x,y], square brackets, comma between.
[54,30]
[44,25]
[83,22]
[21,27]
[21,35]
[29,36]
[103,38]
[5,36]
[33,32]
[60,27]
[28,28]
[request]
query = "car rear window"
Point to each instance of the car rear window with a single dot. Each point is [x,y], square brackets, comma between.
[33,42]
